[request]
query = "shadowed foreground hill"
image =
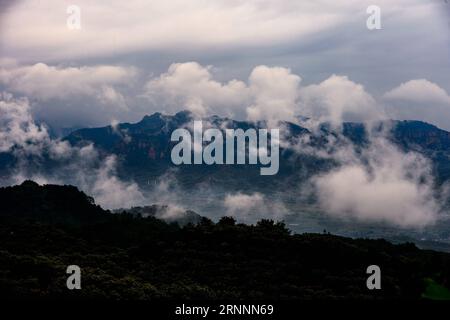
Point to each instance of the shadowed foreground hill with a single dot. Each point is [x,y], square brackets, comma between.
[43,229]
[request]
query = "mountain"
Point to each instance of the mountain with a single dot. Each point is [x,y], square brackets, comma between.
[143,152]
[44,229]
[144,149]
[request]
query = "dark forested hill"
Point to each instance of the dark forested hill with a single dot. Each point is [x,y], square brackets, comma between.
[43,229]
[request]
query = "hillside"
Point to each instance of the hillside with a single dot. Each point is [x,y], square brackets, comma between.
[43,229]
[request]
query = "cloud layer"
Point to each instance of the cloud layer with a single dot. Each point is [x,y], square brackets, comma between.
[139,25]
[70,96]
[253,207]
[97,95]
[31,145]
[385,185]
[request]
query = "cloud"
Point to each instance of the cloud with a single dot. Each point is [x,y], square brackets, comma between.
[275,92]
[141,25]
[17,128]
[381,184]
[110,191]
[251,207]
[66,95]
[314,39]
[31,146]
[22,137]
[420,90]
[99,181]
[419,99]
[339,99]
[38,30]
[46,82]
[98,95]
[190,85]
[386,185]
[269,94]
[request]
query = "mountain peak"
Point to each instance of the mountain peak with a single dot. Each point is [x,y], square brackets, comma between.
[183,116]
[156,115]
[29,184]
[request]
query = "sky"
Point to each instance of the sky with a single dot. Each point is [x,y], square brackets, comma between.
[249,59]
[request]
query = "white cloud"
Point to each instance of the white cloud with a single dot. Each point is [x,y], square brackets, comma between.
[68,96]
[21,136]
[339,99]
[252,207]
[190,85]
[420,90]
[46,82]
[275,92]
[80,166]
[99,181]
[98,95]
[17,128]
[111,192]
[388,186]
[269,94]
[419,99]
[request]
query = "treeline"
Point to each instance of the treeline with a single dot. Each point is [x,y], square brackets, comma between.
[43,229]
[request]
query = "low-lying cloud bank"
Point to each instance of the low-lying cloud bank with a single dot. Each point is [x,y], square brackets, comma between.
[252,207]
[383,185]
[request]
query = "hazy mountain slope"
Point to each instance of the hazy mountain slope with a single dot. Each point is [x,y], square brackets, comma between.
[144,149]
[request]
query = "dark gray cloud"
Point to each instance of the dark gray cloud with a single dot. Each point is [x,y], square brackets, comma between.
[5,5]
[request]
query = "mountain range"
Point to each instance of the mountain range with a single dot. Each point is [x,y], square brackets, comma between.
[143,152]
[144,149]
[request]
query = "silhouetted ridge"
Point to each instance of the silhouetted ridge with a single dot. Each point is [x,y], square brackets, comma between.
[43,229]
[49,203]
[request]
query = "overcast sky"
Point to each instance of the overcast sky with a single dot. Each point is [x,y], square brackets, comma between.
[247,59]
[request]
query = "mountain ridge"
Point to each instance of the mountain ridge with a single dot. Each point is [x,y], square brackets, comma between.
[144,147]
